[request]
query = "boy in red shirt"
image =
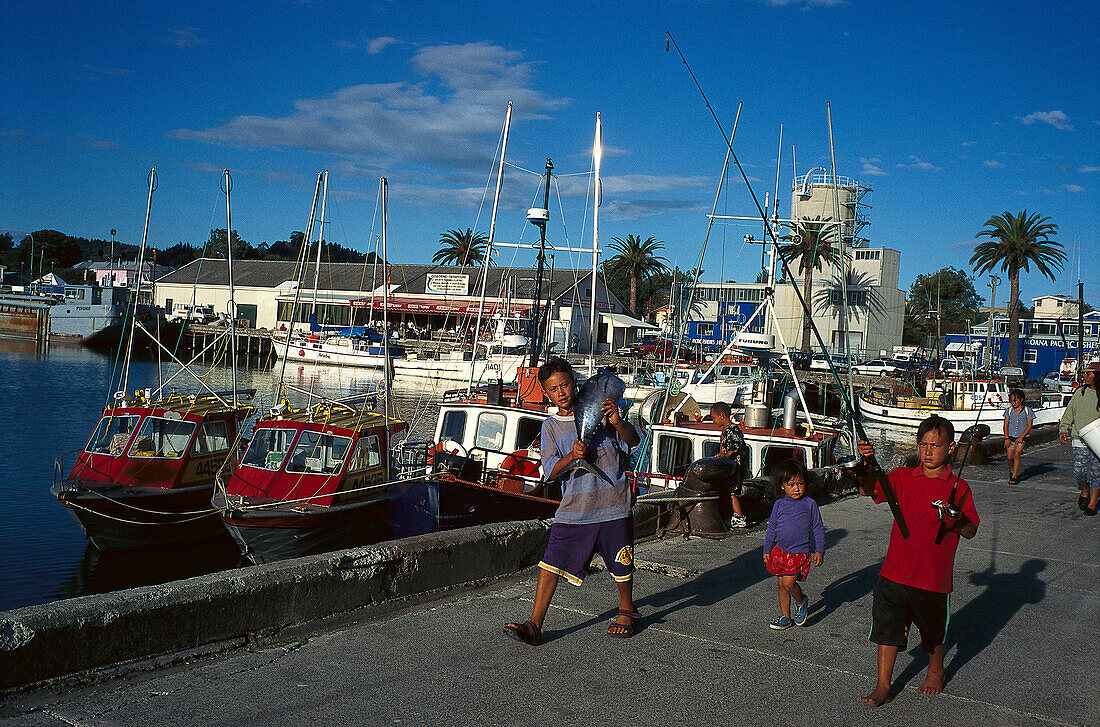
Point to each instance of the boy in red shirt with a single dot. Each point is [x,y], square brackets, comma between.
[916,576]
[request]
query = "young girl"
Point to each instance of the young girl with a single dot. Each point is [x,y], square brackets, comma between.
[1018,418]
[795,539]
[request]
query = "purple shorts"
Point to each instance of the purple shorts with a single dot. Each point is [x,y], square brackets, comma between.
[571,547]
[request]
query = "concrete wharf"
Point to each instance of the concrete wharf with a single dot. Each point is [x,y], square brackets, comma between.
[1021,645]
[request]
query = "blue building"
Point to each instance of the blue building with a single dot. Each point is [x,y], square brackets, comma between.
[1043,342]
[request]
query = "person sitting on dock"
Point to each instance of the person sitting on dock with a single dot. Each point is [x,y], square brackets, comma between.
[916,577]
[595,513]
[1018,418]
[1083,409]
[729,447]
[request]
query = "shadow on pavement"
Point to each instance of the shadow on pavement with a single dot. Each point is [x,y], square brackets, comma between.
[847,589]
[977,623]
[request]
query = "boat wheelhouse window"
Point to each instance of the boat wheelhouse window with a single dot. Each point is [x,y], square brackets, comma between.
[490,431]
[213,437]
[674,455]
[528,432]
[318,453]
[112,434]
[162,438]
[268,447]
[774,456]
[367,453]
[710,448]
[454,425]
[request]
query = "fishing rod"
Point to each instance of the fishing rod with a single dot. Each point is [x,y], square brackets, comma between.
[876,469]
[951,508]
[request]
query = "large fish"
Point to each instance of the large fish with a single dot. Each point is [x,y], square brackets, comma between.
[589,417]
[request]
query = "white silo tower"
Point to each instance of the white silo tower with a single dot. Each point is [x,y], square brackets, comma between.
[812,196]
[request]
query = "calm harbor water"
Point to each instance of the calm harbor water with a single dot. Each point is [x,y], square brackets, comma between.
[51,402]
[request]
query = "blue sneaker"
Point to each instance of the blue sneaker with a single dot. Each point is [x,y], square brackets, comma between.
[780,623]
[799,614]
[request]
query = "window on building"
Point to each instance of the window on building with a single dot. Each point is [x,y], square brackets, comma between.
[1042,329]
[1031,355]
[705,330]
[1069,329]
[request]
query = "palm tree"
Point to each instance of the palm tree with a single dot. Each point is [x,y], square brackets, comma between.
[870,302]
[638,260]
[462,248]
[1016,242]
[812,243]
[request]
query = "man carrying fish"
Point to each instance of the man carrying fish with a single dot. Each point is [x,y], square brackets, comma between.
[584,446]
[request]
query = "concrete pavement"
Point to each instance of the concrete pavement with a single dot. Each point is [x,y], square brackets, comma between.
[1022,641]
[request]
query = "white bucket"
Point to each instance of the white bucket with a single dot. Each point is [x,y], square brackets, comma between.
[1090,435]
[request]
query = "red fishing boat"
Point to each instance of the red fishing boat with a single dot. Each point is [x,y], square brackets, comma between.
[315,479]
[147,473]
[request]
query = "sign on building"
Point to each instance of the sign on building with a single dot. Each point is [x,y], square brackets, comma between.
[448,284]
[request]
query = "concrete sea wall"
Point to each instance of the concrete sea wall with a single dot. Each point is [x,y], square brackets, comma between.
[72,637]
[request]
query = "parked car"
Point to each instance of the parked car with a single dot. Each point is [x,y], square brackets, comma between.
[1013,375]
[875,367]
[955,366]
[651,346]
[819,363]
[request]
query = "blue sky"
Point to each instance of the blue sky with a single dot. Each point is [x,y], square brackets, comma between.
[952,112]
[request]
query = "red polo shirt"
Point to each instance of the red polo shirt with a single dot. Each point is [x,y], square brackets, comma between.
[919,561]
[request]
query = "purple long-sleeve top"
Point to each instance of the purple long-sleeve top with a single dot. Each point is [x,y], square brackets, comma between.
[795,526]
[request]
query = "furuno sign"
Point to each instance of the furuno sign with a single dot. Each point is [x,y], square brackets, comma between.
[448,284]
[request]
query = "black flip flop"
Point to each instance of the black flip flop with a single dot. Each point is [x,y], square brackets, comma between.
[628,629]
[1082,502]
[526,632]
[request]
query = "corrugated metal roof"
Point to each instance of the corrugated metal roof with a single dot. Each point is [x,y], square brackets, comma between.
[356,278]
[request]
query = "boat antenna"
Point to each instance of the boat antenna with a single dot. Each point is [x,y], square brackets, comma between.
[137,292]
[539,216]
[876,469]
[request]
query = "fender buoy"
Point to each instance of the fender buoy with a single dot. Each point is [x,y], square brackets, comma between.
[301,352]
[438,447]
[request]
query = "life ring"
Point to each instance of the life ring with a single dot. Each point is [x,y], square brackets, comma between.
[517,463]
[301,352]
[449,446]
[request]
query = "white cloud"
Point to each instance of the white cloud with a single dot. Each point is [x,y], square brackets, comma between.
[1073,188]
[992,164]
[969,143]
[377,45]
[446,118]
[1057,119]
[916,163]
[1086,169]
[186,37]
[871,167]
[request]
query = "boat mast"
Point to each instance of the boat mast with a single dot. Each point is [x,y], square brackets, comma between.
[597,156]
[232,303]
[298,289]
[137,293]
[320,244]
[489,246]
[539,216]
[384,192]
[844,330]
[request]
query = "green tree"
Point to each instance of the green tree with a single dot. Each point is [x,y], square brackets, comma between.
[637,260]
[1016,242]
[215,246]
[462,248]
[6,242]
[812,243]
[947,294]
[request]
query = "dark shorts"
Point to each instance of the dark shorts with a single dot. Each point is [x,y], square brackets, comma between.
[571,548]
[896,606]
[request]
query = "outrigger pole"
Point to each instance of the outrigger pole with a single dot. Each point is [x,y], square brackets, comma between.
[137,292]
[876,469]
[232,306]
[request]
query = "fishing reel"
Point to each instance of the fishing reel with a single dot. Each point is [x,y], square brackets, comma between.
[946,510]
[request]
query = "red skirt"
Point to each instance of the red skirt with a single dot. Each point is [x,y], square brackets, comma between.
[782,563]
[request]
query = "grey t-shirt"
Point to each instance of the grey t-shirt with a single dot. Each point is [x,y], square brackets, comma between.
[587,499]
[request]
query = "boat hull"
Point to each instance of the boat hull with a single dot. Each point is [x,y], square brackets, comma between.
[276,532]
[118,517]
[960,419]
[462,504]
